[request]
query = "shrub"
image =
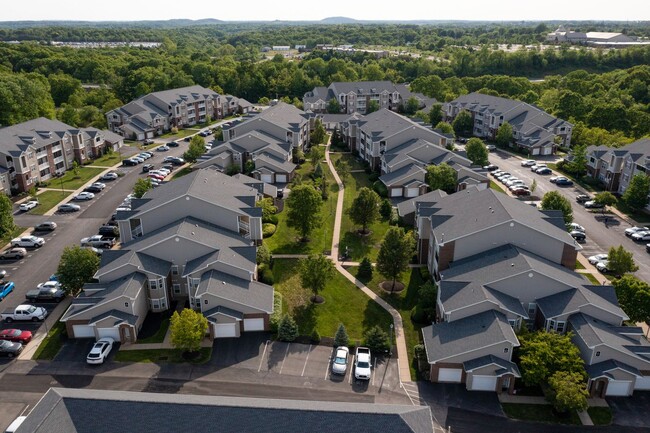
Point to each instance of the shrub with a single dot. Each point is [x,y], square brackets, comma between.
[268,229]
[424,273]
[385,209]
[274,320]
[315,337]
[420,352]
[374,177]
[263,255]
[265,274]
[380,189]
[341,338]
[376,339]
[418,315]
[365,269]
[287,329]
[394,217]
[271,219]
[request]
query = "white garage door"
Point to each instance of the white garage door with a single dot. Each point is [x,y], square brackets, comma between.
[140,136]
[484,383]
[396,192]
[83,331]
[535,151]
[618,388]
[225,330]
[547,151]
[253,324]
[642,383]
[412,192]
[281,178]
[450,375]
[114,333]
[268,178]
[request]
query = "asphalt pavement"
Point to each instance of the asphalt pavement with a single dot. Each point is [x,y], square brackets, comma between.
[600,237]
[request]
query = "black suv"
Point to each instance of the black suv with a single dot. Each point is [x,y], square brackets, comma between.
[129,162]
[172,144]
[93,189]
[147,167]
[109,231]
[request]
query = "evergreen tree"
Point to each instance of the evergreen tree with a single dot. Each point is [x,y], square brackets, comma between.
[376,339]
[365,269]
[287,329]
[341,338]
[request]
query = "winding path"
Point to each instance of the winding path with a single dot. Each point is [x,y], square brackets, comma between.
[398,327]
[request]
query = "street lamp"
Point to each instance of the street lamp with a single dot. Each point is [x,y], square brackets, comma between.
[390,341]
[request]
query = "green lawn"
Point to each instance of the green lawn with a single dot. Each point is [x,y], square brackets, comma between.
[592,278]
[182,172]
[181,134]
[51,344]
[12,234]
[71,181]
[579,265]
[600,415]
[359,246]
[344,303]
[496,187]
[47,200]
[538,413]
[161,355]
[286,240]
[403,302]
[159,336]
[107,160]
[354,163]
[640,217]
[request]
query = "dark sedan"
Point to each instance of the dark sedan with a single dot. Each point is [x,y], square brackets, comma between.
[9,349]
[578,235]
[564,182]
[93,189]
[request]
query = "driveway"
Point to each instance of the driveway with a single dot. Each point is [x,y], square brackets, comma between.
[633,411]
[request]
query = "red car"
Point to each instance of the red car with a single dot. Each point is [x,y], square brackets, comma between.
[521,191]
[16,335]
[156,176]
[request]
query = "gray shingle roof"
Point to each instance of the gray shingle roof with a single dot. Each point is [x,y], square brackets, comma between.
[466,336]
[602,369]
[403,175]
[501,366]
[408,206]
[76,411]
[384,123]
[274,164]
[284,115]
[213,312]
[572,301]
[251,293]
[119,315]
[262,187]
[16,138]
[472,210]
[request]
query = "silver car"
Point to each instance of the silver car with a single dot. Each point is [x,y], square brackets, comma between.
[340,363]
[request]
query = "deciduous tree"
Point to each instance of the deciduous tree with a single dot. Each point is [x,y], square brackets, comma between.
[365,208]
[620,261]
[477,151]
[304,205]
[463,124]
[543,353]
[435,114]
[553,200]
[318,134]
[141,187]
[636,194]
[316,154]
[195,149]
[187,330]
[76,268]
[394,254]
[315,271]
[504,134]
[605,198]
[568,392]
[442,177]
[333,106]
[7,224]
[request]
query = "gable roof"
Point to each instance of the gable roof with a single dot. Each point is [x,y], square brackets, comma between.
[286,116]
[571,301]
[465,336]
[76,411]
[501,366]
[244,292]
[409,205]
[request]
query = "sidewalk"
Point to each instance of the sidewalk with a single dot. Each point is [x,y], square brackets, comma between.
[38,337]
[400,339]
[585,419]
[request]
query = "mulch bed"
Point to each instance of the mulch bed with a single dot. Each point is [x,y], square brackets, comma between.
[386,286]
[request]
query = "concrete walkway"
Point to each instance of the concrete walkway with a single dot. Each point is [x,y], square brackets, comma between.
[398,327]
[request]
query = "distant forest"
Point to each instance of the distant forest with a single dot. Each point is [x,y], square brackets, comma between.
[604,92]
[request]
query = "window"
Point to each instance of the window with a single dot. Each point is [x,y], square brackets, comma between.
[506,349]
[126,304]
[176,288]
[560,327]
[532,309]
[512,322]
[153,284]
[598,353]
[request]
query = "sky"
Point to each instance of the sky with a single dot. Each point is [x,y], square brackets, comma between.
[294,10]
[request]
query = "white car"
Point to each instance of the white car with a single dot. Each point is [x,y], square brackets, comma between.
[629,232]
[534,167]
[527,162]
[100,351]
[491,147]
[84,196]
[111,175]
[576,226]
[28,242]
[340,363]
[602,266]
[98,185]
[597,258]
[163,148]
[28,205]
[641,236]
[49,285]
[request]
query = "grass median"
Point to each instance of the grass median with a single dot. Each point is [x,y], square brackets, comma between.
[47,200]
[52,343]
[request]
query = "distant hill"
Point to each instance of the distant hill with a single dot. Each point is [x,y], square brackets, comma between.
[338,20]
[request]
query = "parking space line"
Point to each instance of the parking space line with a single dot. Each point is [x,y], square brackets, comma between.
[327,366]
[306,359]
[351,367]
[263,353]
[285,357]
[374,371]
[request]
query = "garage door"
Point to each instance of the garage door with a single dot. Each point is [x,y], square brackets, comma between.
[450,375]
[253,324]
[619,388]
[268,178]
[113,333]
[281,178]
[83,331]
[642,383]
[535,151]
[396,192]
[484,383]
[140,136]
[547,151]
[412,192]
[225,330]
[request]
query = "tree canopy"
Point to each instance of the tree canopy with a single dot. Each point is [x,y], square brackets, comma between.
[187,329]
[504,134]
[463,124]
[553,200]
[620,261]
[76,268]
[365,208]
[477,151]
[195,149]
[7,224]
[634,297]
[442,177]
[304,205]
[315,271]
[636,194]
[394,254]
[542,354]
[142,185]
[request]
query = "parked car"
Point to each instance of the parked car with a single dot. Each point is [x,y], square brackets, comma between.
[144,155]
[16,335]
[168,167]
[554,179]
[48,291]
[162,148]
[68,207]
[602,266]
[147,154]
[340,363]
[188,138]
[204,133]
[97,241]
[147,168]
[543,170]
[593,204]
[564,182]
[173,144]
[528,162]
[462,140]
[92,189]
[137,159]
[490,167]
[578,235]
[29,205]
[24,312]
[491,147]
[10,349]
[97,251]
[641,236]
[521,191]
[129,162]
[13,254]
[362,364]
[647,248]
[46,226]
[109,231]
[156,176]
[6,288]
[100,351]
[597,258]
[111,175]
[536,166]
[98,185]
[630,231]
[148,141]
[583,198]
[28,242]
[576,226]
[84,196]
[177,161]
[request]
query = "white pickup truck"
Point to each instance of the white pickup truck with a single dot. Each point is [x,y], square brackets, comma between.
[24,312]
[362,363]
